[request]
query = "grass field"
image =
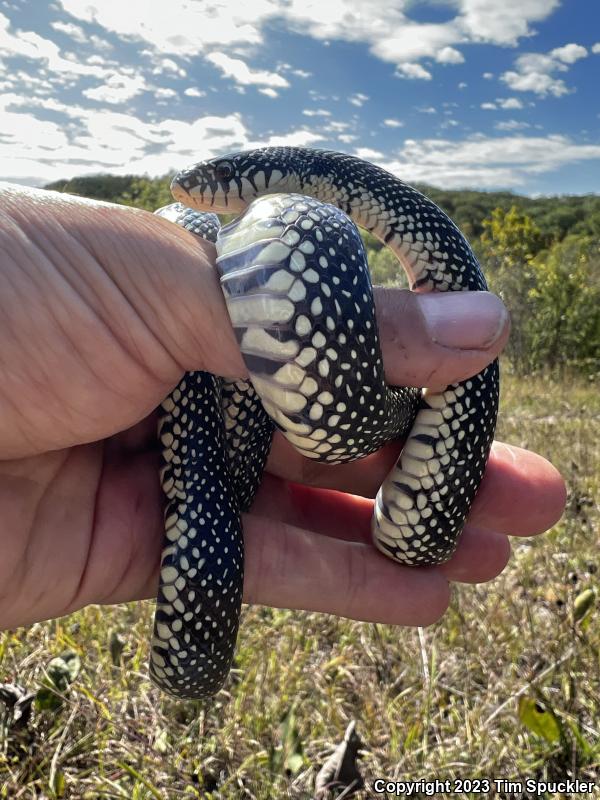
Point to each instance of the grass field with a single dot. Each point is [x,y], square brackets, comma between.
[438,703]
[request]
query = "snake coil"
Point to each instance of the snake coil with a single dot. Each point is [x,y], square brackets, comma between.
[295,278]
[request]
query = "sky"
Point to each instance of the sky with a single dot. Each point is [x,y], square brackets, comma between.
[454,93]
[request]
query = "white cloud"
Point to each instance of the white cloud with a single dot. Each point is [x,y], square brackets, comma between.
[341,19]
[239,71]
[511,125]
[28,134]
[100,44]
[413,70]
[316,112]
[427,110]
[117,89]
[393,123]
[35,151]
[31,45]
[26,83]
[411,41]
[337,126]
[74,31]
[93,140]
[569,53]
[164,93]
[269,92]
[368,153]
[114,132]
[596,48]
[41,150]
[535,71]
[358,99]
[449,55]
[509,103]
[299,73]
[193,91]
[506,103]
[488,75]
[535,82]
[168,65]
[184,28]
[207,135]
[301,138]
[508,161]
[177,27]
[462,85]
[476,21]
[502,23]
[10,101]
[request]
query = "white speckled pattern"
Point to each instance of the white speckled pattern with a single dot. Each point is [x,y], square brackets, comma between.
[299,296]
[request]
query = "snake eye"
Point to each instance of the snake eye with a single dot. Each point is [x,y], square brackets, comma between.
[223,171]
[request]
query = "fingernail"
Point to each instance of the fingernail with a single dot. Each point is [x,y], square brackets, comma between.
[467,320]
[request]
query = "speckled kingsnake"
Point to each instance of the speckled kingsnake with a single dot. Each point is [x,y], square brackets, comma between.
[294,275]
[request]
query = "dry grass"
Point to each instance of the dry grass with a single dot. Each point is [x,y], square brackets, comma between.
[440,703]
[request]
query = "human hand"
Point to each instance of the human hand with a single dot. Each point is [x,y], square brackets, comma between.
[103,309]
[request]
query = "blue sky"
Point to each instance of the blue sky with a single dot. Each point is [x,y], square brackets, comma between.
[456,93]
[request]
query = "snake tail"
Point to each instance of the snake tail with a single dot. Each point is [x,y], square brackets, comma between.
[202,567]
[215,437]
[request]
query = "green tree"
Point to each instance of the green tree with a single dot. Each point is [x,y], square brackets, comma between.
[385,268]
[509,242]
[553,295]
[131,190]
[146,193]
[565,301]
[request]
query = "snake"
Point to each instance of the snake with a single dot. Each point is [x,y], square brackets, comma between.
[295,280]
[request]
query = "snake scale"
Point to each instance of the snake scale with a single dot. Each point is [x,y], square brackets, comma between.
[294,275]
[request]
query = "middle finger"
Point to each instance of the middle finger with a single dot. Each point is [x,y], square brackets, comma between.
[521,493]
[480,556]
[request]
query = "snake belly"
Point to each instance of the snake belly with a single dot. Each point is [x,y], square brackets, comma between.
[296,283]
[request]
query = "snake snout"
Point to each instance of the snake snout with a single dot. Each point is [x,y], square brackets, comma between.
[203,193]
[185,186]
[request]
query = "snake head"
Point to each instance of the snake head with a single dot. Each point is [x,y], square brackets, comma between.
[227,184]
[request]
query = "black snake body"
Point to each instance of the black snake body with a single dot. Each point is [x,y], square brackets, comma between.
[295,278]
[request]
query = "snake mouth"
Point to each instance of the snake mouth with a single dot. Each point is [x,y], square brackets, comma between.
[205,195]
[197,196]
